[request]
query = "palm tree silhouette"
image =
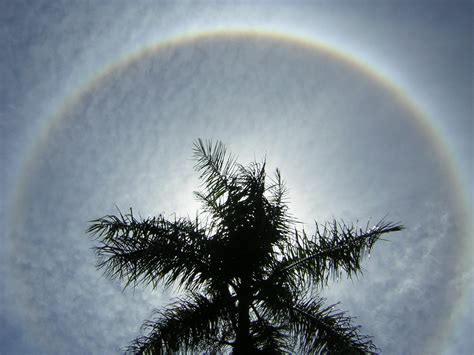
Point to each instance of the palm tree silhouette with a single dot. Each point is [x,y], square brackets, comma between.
[250,278]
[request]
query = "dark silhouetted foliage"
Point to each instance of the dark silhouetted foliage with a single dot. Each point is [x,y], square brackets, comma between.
[249,277]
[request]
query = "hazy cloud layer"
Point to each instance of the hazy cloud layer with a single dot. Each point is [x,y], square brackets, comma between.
[345,145]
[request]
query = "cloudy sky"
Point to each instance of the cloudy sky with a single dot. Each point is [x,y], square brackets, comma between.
[365,106]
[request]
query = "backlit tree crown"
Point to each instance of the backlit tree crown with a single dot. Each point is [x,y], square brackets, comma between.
[250,278]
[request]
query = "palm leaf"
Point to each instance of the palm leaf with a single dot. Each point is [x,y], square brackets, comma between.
[191,323]
[320,329]
[152,250]
[334,249]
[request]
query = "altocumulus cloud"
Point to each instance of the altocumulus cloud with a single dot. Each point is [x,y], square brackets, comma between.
[346,147]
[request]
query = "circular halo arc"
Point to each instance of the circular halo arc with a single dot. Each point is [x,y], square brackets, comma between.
[423,123]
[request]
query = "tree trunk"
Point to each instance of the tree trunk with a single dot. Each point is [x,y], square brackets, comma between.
[243,341]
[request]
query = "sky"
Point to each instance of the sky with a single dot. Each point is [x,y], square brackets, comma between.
[365,106]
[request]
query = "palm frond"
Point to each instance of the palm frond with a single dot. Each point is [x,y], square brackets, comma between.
[334,249]
[216,167]
[320,329]
[194,323]
[269,338]
[151,250]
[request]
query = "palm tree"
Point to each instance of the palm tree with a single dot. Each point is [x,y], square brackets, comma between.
[250,279]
